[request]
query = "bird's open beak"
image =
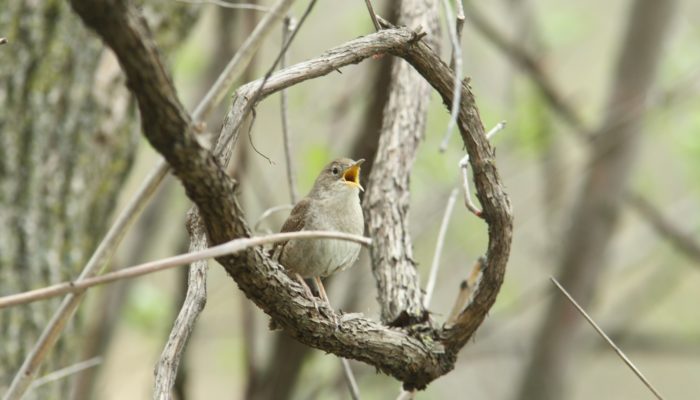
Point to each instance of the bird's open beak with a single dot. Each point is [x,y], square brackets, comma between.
[351,176]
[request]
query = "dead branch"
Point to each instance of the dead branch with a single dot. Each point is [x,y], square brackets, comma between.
[608,340]
[287,29]
[372,14]
[231,247]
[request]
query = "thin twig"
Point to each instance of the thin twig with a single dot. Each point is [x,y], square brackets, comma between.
[166,376]
[226,4]
[350,380]
[268,212]
[372,15]
[466,290]
[457,61]
[231,247]
[438,247]
[287,28]
[100,258]
[459,26]
[607,339]
[464,166]
[67,371]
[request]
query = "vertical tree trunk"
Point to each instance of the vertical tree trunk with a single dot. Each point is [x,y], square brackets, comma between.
[67,141]
[595,214]
[403,128]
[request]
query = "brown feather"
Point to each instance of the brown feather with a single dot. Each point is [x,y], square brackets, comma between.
[295,221]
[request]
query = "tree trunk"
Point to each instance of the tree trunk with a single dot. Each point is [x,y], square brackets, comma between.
[403,128]
[68,139]
[598,204]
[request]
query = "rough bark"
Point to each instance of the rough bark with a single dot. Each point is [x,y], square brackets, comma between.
[68,139]
[387,201]
[415,358]
[598,205]
[67,143]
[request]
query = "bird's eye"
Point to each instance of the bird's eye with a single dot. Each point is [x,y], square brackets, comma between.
[335,171]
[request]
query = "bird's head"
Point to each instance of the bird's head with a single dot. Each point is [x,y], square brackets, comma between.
[339,176]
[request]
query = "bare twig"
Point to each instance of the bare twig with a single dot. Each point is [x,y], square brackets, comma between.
[226,4]
[457,61]
[350,380]
[607,339]
[166,376]
[466,290]
[268,212]
[231,247]
[64,372]
[459,25]
[373,15]
[438,247]
[682,241]
[126,217]
[287,28]
[464,166]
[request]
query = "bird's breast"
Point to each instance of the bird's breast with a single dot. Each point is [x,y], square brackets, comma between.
[322,257]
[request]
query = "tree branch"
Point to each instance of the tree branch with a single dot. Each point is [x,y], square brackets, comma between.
[612,344]
[415,359]
[231,247]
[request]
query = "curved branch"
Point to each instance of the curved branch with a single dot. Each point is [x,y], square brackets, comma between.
[496,206]
[414,358]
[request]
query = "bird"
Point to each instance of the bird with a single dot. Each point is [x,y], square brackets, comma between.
[332,204]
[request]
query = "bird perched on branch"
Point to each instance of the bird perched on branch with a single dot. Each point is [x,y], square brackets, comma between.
[333,204]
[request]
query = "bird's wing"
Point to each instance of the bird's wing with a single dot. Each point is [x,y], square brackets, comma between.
[295,221]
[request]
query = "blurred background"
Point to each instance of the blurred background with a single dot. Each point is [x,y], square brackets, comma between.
[616,220]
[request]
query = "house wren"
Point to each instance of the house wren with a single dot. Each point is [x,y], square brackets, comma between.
[333,204]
